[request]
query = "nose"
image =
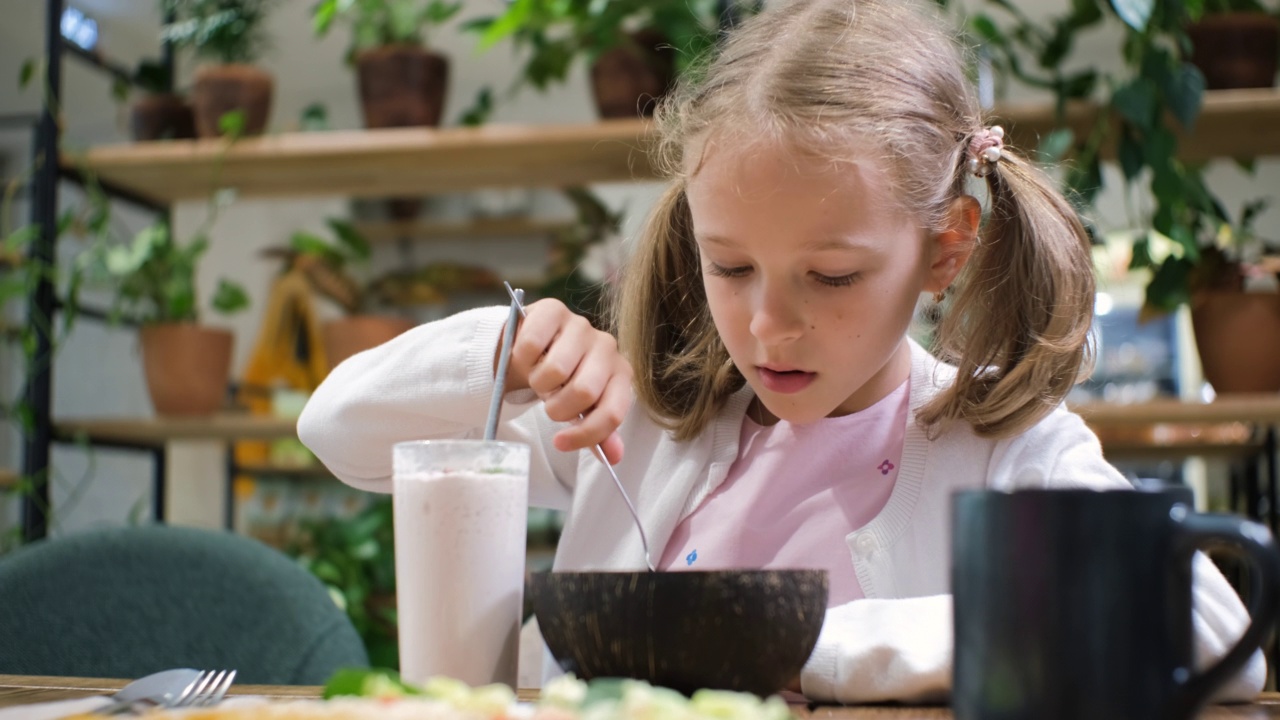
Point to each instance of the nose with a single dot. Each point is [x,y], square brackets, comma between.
[777,317]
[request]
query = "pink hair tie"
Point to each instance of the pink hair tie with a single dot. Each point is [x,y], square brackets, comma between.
[984,150]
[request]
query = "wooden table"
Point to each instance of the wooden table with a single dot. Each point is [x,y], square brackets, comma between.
[23,689]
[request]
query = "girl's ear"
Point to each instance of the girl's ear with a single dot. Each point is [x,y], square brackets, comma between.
[951,248]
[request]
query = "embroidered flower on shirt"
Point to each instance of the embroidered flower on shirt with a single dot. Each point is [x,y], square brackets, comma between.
[691,557]
[885,467]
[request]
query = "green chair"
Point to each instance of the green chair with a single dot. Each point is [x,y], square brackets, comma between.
[129,601]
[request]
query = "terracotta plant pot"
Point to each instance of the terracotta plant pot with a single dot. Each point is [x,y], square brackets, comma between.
[187,367]
[1238,337]
[627,81]
[220,89]
[402,86]
[348,336]
[1235,50]
[161,117]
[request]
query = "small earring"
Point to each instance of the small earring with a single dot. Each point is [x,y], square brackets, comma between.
[939,296]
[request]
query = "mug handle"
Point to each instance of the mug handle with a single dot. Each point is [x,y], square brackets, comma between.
[1254,541]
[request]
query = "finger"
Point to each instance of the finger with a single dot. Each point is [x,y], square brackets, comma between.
[535,334]
[613,448]
[582,391]
[601,421]
[561,360]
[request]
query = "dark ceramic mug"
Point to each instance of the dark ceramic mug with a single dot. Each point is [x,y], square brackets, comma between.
[1077,603]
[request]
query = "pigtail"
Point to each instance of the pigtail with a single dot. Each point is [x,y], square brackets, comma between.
[682,371]
[1017,326]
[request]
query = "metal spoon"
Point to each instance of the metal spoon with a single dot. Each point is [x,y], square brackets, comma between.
[598,451]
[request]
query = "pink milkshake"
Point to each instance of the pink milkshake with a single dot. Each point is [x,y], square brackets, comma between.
[461,509]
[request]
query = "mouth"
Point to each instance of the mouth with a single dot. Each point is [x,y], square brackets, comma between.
[784,380]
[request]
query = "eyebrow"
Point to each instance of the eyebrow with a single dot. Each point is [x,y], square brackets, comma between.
[815,245]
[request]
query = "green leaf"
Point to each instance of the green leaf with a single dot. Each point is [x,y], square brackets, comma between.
[480,110]
[120,90]
[1185,237]
[1129,153]
[1080,85]
[322,17]
[1141,254]
[1056,145]
[306,243]
[1160,148]
[1186,94]
[439,12]
[1170,285]
[985,28]
[230,297]
[507,24]
[231,124]
[1085,13]
[1058,46]
[27,72]
[1135,13]
[604,690]
[315,117]
[1136,101]
[378,682]
[1249,213]
[19,239]
[351,239]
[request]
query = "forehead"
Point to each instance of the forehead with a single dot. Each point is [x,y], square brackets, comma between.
[732,181]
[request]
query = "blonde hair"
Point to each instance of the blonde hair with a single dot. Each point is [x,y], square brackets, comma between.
[820,74]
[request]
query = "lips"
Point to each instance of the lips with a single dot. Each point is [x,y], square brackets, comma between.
[784,380]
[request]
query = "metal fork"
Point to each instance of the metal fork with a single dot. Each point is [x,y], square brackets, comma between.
[208,690]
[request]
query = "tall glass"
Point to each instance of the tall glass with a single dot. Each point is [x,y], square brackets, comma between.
[461,509]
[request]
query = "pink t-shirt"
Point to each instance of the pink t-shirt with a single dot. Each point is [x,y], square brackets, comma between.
[795,493]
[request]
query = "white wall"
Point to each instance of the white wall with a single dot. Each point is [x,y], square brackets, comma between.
[98,372]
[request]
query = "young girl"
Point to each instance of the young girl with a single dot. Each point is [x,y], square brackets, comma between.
[819,187]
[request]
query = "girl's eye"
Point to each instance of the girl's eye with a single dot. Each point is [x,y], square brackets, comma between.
[728,272]
[838,281]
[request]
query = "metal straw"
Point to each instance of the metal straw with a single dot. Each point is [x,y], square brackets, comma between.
[504,359]
[517,305]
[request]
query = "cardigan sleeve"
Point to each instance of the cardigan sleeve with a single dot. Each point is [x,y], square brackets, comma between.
[432,382]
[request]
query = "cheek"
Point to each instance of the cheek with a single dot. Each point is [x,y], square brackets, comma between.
[728,312]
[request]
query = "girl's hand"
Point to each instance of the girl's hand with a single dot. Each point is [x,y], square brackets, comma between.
[575,369]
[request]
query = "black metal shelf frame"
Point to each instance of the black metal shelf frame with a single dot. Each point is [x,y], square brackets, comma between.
[43,301]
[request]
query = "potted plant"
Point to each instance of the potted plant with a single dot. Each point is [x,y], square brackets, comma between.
[326,265]
[402,83]
[229,35]
[158,113]
[1235,44]
[1141,110]
[187,365]
[355,558]
[635,48]
[1231,287]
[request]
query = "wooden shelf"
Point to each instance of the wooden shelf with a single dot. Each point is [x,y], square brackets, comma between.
[155,432]
[419,161]
[289,471]
[390,231]
[1232,123]
[1225,409]
[1108,419]
[380,163]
